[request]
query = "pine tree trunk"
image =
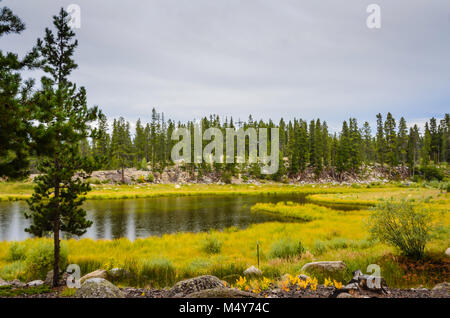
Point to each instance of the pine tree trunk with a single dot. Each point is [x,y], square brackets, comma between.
[56,242]
[123,175]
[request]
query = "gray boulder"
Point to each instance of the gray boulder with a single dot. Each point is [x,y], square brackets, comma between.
[17,284]
[98,288]
[222,293]
[189,286]
[252,271]
[326,266]
[442,287]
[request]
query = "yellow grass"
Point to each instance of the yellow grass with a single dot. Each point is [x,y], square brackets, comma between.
[342,234]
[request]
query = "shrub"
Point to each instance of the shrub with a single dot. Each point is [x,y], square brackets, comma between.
[14,270]
[286,248]
[226,177]
[16,252]
[403,225]
[39,259]
[212,245]
[150,177]
[431,173]
[141,179]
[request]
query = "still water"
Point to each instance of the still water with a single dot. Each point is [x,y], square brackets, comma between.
[135,218]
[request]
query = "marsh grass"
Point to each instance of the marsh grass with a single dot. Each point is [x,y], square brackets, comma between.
[338,235]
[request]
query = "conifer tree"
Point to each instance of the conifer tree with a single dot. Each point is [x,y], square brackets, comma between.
[15,104]
[63,120]
[402,141]
[391,140]
[380,140]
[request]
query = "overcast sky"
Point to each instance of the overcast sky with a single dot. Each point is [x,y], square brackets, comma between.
[268,58]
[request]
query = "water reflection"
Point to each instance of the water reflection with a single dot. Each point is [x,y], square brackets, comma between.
[135,218]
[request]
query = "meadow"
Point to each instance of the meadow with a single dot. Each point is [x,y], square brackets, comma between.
[315,232]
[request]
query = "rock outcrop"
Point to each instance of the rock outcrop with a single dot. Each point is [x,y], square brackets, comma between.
[326,266]
[222,293]
[193,285]
[98,288]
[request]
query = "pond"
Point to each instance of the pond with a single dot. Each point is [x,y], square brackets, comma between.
[137,218]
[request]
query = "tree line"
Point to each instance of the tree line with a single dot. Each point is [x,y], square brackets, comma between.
[303,144]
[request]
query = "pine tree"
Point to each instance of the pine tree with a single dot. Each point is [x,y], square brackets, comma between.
[426,147]
[63,120]
[391,140]
[355,145]
[101,144]
[402,140]
[122,147]
[413,148]
[367,146]
[15,105]
[343,151]
[318,146]
[139,143]
[380,141]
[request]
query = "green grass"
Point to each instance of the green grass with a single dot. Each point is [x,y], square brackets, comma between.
[8,291]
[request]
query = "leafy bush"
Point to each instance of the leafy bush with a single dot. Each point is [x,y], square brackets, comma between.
[141,179]
[16,252]
[431,173]
[403,225]
[150,177]
[286,248]
[212,245]
[226,177]
[39,259]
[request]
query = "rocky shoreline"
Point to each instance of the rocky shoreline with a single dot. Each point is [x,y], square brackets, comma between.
[212,287]
[177,174]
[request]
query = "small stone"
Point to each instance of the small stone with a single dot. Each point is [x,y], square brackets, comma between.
[344,295]
[447,251]
[303,277]
[252,271]
[35,283]
[18,284]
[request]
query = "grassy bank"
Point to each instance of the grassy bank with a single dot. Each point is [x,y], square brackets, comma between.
[324,234]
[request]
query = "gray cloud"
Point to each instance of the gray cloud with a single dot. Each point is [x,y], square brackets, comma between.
[271,59]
